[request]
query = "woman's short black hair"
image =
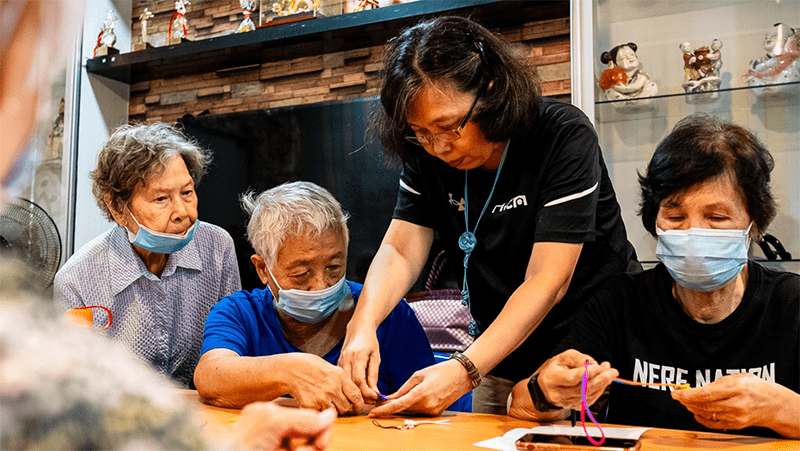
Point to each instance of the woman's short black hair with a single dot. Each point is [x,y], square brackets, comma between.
[459,53]
[700,148]
[611,55]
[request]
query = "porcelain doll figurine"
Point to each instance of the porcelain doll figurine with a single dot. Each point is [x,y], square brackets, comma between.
[780,65]
[701,67]
[624,79]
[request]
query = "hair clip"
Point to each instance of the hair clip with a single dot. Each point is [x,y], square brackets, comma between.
[411,424]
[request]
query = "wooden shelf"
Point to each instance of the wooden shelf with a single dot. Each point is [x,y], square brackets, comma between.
[321,35]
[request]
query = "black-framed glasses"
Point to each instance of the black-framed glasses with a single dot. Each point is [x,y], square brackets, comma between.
[448,136]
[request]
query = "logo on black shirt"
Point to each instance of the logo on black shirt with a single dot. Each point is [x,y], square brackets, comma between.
[513,203]
[454,202]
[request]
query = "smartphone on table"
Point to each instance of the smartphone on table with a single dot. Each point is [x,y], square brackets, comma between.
[567,442]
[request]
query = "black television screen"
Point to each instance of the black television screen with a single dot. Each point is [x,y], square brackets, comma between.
[322,143]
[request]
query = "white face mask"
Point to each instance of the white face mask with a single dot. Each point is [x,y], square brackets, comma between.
[311,306]
[703,259]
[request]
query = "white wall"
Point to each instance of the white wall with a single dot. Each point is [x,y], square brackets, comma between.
[103,105]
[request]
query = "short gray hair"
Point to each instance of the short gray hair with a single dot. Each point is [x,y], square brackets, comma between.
[134,153]
[295,208]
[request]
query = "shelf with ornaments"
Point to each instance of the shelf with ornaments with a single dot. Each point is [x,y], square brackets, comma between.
[677,47]
[237,50]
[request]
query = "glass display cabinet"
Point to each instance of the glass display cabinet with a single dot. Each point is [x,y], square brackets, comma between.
[629,130]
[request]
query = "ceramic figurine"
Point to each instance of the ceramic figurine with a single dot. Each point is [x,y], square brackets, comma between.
[701,67]
[624,79]
[287,7]
[106,39]
[177,24]
[780,65]
[247,24]
[363,5]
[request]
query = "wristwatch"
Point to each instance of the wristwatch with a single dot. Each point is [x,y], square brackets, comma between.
[472,371]
[537,395]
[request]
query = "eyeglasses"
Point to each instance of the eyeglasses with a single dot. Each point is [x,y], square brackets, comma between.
[448,136]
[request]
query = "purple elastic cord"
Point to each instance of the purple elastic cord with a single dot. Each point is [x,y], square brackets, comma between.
[585,409]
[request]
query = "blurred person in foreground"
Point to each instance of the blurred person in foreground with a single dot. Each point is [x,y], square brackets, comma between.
[65,387]
[706,316]
[286,339]
[160,269]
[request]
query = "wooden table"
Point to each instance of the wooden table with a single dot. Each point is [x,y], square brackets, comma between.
[359,434]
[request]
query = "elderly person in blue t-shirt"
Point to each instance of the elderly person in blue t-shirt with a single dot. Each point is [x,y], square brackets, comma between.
[159,270]
[262,344]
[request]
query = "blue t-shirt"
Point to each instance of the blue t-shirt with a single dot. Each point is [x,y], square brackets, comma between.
[247,323]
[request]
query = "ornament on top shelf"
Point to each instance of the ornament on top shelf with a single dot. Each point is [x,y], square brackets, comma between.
[363,5]
[247,24]
[143,44]
[178,25]
[780,65]
[624,79]
[106,39]
[701,67]
[287,7]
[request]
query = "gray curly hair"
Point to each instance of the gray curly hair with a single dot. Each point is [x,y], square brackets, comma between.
[295,208]
[136,152]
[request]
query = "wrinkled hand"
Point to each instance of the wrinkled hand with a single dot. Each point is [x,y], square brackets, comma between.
[361,359]
[735,401]
[267,426]
[428,391]
[560,379]
[316,384]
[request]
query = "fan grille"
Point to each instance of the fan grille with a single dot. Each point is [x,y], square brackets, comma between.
[29,235]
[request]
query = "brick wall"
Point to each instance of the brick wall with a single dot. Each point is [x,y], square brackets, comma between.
[304,73]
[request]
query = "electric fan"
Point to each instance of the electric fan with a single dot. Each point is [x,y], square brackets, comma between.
[29,235]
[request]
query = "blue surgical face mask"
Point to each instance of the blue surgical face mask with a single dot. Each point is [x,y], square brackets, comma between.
[311,306]
[160,242]
[703,259]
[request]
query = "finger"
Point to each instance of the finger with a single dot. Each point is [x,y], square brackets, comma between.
[324,439]
[404,400]
[341,403]
[373,369]
[353,394]
[719,422]
[703,395]
[326,420]
[304,422]
[393,407]
[357,372]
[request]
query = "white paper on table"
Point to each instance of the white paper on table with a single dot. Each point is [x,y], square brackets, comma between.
[507,441]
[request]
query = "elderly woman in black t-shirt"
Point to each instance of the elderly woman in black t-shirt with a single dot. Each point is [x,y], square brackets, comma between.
[514,185]
[706,317]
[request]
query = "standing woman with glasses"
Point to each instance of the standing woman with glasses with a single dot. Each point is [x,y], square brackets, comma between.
[516,188]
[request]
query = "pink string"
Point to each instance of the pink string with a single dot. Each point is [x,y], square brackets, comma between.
[585,409]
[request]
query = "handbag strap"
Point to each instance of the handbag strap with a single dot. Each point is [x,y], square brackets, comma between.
[436,270]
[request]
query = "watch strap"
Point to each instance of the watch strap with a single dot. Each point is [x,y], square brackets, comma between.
[537,396]
[472,371]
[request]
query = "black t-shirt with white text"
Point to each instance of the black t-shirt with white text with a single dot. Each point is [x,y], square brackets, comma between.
[635,323]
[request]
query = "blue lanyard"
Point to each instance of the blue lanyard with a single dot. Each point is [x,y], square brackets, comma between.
[467,240]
